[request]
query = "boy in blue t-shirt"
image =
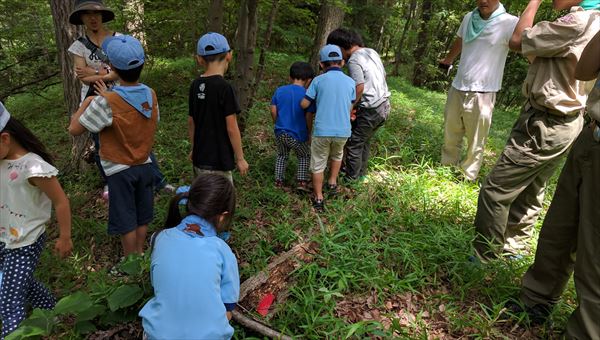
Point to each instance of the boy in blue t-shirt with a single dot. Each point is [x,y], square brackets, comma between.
[334,93]
[291,124]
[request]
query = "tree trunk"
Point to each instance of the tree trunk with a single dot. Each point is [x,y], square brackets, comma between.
[65,34]
[419,74]
[263,49]
[135,19]
[331,17]
[409,17]
[245,43]
[215,16]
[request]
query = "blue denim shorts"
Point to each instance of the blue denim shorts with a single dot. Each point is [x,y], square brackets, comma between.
[130,199]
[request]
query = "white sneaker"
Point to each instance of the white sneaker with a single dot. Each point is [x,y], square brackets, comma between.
[105,193]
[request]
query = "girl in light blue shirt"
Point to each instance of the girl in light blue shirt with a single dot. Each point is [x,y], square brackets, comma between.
[193,271]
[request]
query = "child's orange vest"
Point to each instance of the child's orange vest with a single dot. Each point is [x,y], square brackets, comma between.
[130,138]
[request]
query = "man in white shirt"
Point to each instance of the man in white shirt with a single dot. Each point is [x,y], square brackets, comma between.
[482,41]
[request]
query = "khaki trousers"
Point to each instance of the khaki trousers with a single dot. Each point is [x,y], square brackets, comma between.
[511,196]
[467,115]
[571,227]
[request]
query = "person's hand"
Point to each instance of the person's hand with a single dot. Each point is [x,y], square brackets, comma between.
[63,247]
[100,87]
[190,156]
[353,115]
[242,166]
[83,72]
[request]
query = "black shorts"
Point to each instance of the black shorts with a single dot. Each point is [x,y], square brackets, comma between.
[130,199]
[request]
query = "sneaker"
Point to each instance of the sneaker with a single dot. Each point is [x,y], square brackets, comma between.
[536,316]
[115,271]
[104,193]
[332,189]
[169,189]
[303,186]
[318,204]
[278,183]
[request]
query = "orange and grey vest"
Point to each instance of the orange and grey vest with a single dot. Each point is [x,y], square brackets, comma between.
[130,138]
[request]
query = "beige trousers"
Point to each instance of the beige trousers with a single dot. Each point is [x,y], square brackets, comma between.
[467,115]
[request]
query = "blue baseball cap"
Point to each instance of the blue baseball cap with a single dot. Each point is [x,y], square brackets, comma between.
[330,53]
[124,52]
[4,116]
[212,43]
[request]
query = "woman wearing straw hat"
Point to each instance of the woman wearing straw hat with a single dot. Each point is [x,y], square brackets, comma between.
[90,62]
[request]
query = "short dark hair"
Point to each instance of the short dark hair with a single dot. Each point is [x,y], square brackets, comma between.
[301,70]
[130,76]
[328,64]
[214,57]
[345,38]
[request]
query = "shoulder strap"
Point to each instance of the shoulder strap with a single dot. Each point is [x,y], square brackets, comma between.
[93,48]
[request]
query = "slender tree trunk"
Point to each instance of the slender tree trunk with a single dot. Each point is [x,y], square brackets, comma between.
[135,19]
[409,16]
[384,20]
[263,49]
[331,16]
[245,43]
[419,74]
[215,16]
[65,34]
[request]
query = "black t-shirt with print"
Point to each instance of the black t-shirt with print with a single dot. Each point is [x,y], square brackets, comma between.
[211,100]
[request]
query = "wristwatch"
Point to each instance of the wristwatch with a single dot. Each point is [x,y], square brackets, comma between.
[97,72]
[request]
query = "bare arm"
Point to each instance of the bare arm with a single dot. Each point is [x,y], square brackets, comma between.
[88,75]
[588,66]
[274,113]
[305,103]
[191,130]
[455,50]
[75,127]
[525,22]
[51,187]
[360,88]
[309,122]
[236,142]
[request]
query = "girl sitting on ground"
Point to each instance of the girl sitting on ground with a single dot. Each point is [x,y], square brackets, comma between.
[193,271]
[28,189]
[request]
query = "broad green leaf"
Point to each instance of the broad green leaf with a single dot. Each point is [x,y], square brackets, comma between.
[84,327]
[26,332]
[124,296]
[90,313]
[73,304]
[41,318]
[132,265]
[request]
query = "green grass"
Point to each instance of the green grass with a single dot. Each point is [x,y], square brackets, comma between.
[400,239]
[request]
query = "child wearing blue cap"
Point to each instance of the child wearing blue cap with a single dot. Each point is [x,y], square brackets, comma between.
[334,93]
[194,272]
[213,106]
[125,119]
[292,124]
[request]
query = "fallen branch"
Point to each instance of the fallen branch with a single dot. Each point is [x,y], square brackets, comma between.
[258,327]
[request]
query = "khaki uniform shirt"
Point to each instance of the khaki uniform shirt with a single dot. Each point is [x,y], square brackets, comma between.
[557,46]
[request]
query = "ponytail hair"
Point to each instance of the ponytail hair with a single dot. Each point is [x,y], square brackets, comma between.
[209,197]
[27,139]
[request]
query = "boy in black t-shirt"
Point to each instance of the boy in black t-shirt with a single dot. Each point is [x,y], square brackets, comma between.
[212,123]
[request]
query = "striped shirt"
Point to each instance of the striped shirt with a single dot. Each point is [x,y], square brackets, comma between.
[95,118]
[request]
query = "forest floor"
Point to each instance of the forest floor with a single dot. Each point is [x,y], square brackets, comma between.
[388,257]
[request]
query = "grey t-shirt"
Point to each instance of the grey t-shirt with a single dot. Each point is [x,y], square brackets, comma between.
[365,67]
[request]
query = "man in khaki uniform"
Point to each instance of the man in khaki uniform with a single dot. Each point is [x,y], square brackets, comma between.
[511,196]
[572,226]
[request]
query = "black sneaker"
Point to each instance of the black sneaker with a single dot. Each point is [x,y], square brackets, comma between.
[536,316]
[318,204]
[332,189]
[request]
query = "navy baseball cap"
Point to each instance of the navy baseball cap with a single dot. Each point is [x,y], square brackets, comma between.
[124,52]
[330,53]
[4,116]
[212,43]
